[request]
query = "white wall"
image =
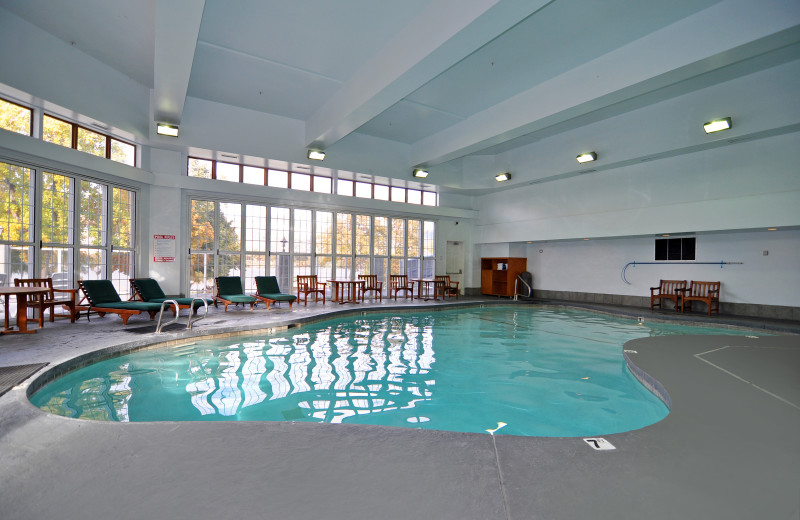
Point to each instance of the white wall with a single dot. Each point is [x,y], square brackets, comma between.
[595,266]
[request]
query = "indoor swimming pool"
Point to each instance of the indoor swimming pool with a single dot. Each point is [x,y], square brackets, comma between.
[508,369]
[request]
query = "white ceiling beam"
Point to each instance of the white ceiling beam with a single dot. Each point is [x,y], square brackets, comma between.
[177,29]
[444,33]
[723,34]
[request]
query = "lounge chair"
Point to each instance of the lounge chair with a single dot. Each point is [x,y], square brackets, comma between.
[229,290]
[149,290]
[50,299]
[399,282]
[103,299]
[308,284]
[268,291]
[371,283]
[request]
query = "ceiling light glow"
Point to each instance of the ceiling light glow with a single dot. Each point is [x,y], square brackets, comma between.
[502,177]
[420,173]
[317,155]
[165,129]
[587,157]
[717,125]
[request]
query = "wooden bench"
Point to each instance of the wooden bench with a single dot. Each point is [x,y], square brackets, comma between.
[50,299]
[667,290]
[706,292]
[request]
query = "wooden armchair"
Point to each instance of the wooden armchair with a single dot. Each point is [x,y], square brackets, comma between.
[308,284]
[371,283]
[399,282]
[447,287]
[706,292]
[667,290]
[50,299]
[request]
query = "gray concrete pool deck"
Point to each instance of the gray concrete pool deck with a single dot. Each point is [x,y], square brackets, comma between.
[728,449]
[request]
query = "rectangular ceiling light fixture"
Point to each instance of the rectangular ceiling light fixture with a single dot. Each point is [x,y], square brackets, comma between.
[502,177]
[165,129]
[317,155]
[717,125]
[420,173]
[587,157]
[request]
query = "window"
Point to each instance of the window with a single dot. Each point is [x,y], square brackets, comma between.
[675,248]
[15,118]
[253,175]
[91,142]
[227,172]
[344,187]
[364,190]
[57,131]
[70,135]
[200,168]
[323,184]
[301,181]
[277,179]
[398,194]
[381,192]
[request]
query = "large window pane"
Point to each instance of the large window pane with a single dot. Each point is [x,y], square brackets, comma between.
[202,226]
[279,230]
[92,264]
[344,187]
[414,196]
[122,270]
[363,234]
[57,131]
[255,228]
[122,228]
[230,227]
[381,240]
[15,118]
[344,234]
[301,181]
[414,238]
[57,208]
[381,192]
[201,274]
[93,219]
[398,237]
[16,192]
[364,190]
[398,194]
[91,142]
[302,232]
[254,265]
[428,198]
[324,235]
[56,263]
[323,184]
[429,238]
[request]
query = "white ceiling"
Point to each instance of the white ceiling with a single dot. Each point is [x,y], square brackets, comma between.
[448,78]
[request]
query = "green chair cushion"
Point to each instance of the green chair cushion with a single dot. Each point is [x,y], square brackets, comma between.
[237,298]
[278,297]
[149,289]
[229,285]
[100,291]
[131,306]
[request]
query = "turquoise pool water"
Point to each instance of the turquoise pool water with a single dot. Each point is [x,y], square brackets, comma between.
[541,372]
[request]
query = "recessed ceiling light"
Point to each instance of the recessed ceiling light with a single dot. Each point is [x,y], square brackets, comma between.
[420,173]
[772,229]
[717,125]
[587,157]
[502,177]
[165,129]
[317,155]
[665,235]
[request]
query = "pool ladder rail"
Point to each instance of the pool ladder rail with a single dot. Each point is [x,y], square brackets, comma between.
[159,326]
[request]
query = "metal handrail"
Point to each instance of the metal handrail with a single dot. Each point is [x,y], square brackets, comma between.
[161,314]
[192,312]
[519,279]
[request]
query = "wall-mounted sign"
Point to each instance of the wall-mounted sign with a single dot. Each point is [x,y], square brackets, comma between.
[164,248]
